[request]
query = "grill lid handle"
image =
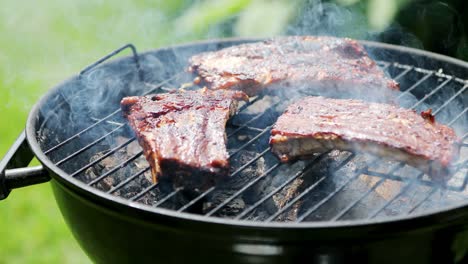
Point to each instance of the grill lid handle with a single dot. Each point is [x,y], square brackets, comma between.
[13,170]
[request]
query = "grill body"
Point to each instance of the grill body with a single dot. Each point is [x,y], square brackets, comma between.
[113,229]
[116,234]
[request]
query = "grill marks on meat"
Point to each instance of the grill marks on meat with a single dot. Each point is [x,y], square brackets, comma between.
[328,66]
[183,134]
[316,124]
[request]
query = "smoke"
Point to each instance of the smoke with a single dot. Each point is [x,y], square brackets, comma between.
[323,18]
[84,100]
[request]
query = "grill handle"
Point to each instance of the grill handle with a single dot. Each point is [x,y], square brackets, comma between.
[13,170]
[115,52]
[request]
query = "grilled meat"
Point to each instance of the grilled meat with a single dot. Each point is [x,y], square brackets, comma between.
[316,124]
[327,66]
[183,134]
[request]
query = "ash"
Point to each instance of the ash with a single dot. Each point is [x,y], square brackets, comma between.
[107,164]
[234,184]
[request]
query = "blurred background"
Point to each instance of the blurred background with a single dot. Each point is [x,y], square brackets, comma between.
[44,42]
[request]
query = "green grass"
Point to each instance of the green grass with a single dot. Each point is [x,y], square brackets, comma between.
[33,230]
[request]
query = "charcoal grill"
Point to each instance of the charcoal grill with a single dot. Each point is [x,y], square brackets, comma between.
[347,206]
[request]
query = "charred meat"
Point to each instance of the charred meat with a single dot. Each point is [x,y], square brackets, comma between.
[183,134]
[316,124]
[328,66]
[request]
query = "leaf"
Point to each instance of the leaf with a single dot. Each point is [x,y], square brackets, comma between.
[198,19]
[265,18]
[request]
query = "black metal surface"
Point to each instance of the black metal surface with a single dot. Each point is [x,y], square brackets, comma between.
[118,216]
[123,237]
[19,155]
[115,52]
[22,177]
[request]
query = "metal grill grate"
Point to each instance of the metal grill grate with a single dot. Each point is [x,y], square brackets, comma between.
[375,188]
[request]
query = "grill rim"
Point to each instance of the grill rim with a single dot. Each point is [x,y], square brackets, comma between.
[426,218]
